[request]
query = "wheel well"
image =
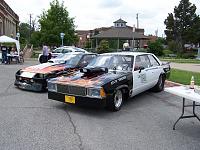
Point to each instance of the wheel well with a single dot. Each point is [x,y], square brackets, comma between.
[164,75]
[125,92]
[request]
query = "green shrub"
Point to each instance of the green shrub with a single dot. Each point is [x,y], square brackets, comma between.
[188,55]
[103,47]
[155,48]
[166,52]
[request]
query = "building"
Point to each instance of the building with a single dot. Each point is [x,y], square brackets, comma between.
[9,20]
[120,32]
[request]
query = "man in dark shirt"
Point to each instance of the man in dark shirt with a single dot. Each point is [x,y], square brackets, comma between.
[4,54]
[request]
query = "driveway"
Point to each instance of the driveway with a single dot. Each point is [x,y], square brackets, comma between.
[188,67]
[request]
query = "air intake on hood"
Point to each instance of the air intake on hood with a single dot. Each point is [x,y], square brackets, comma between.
[94,70]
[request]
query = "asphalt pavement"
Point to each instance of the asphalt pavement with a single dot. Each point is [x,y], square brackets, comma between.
[28,120]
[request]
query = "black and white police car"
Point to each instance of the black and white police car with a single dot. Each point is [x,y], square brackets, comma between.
[110,79]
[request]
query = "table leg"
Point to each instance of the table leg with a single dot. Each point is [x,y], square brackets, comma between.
[183,110]
[194,110]
[187,116]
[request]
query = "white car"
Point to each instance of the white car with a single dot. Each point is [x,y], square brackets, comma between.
[63,50]
[111,78]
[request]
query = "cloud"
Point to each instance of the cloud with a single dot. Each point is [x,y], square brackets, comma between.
[110,3]
[90,14]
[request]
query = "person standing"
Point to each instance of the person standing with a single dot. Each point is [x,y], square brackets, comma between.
[4,54]
[45,53]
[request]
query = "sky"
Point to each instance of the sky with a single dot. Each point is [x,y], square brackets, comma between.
[91,14]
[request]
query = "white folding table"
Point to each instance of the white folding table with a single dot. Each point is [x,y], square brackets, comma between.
[188,94]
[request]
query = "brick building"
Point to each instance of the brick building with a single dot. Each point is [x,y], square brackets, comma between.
[9,20]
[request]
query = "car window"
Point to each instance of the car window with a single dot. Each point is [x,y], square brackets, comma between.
[86,59]
[58,50]
[153,61]
[66,51]
[142,61]
[113,62]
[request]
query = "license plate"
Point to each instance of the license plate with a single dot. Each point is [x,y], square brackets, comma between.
[70,99]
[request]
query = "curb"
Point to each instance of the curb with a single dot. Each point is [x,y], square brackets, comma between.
[171,83]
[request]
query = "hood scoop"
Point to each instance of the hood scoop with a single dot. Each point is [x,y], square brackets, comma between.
[87,70]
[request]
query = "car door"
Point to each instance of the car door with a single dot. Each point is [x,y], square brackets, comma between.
[141,74]
[155,69]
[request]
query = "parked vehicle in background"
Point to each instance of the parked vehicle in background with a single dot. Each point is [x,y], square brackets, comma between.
[35,78]
[62,50]
[110,79]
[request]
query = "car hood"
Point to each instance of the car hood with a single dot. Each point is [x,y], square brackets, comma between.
[89,80]
[44,68]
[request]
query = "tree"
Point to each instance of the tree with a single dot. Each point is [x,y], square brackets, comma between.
[103,47]
[179,27]
[24,30]
[155,48]
[36,39]
[54,21]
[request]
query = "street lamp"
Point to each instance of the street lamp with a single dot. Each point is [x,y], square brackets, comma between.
[62,37]
[18,35]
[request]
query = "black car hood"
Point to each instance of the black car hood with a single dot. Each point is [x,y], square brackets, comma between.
[90,80]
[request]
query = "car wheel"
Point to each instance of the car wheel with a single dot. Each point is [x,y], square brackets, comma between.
[160,84]
[116,101]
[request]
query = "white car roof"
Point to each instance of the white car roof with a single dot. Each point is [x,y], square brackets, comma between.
[126,53]
[73,48]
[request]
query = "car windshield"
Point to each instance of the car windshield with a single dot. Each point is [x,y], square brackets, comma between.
[57,50]
[72,59]
[113,62]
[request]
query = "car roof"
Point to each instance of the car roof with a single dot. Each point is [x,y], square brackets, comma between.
[78,53]
[71,48]
[126,53]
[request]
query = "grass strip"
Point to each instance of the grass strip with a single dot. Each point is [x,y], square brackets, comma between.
[184,77]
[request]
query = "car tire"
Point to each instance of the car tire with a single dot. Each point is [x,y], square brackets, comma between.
[160,84]
[41,59]
[116,102]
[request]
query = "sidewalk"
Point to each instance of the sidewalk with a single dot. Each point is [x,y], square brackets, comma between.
[187,67]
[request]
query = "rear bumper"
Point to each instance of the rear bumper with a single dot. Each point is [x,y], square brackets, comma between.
[79,100]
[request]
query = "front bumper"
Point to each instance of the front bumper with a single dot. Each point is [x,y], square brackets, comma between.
[37,87]
[79,100]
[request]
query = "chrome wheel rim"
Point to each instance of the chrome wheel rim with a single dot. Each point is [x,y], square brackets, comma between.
[118,99]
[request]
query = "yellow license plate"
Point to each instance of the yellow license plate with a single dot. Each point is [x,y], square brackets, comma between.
[70,99]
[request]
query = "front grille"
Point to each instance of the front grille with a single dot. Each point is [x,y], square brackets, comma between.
[72,90]
[25,80]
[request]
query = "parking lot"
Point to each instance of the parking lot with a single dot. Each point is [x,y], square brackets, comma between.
[28,120]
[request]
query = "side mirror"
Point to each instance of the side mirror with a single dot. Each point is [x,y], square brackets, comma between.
[141,68]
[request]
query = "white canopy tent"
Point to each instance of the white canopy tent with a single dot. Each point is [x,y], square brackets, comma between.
[6,39]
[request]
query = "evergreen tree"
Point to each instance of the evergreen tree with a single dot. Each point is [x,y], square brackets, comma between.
[181,26]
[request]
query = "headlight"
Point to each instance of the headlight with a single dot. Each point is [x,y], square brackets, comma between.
[52,87]
[96,92]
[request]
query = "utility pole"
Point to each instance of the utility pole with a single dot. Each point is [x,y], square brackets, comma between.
[137,17]
[30,27]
